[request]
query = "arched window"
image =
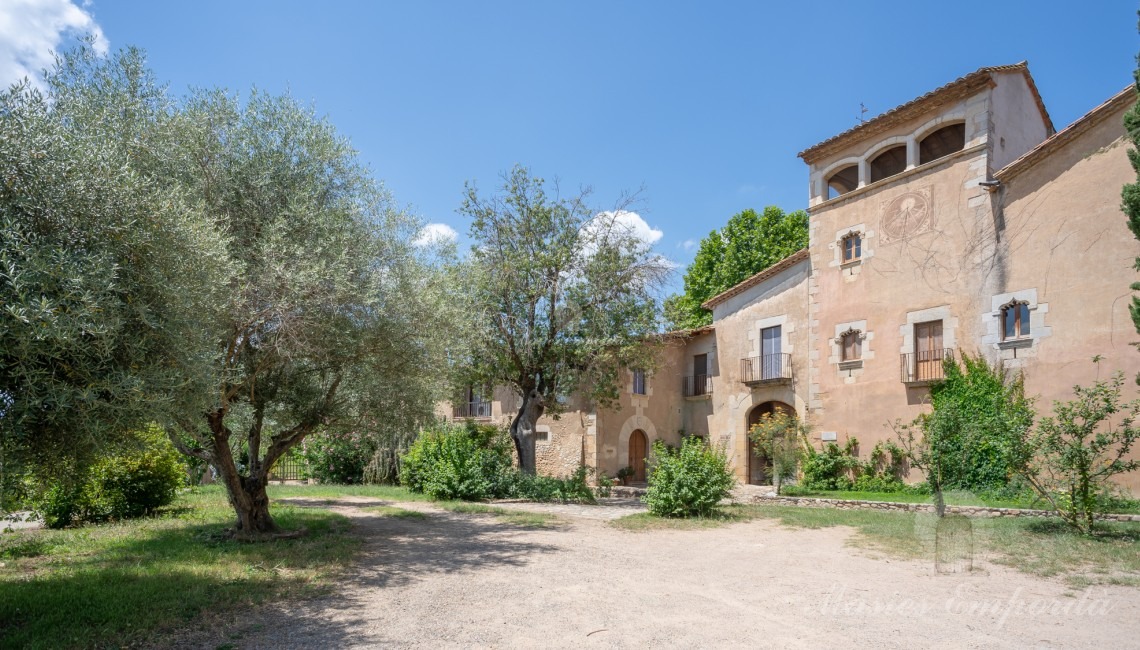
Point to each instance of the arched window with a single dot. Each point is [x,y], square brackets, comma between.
[843,181]
[850,345]
[1015,321]
[942,142]
[852,244]
[888,163]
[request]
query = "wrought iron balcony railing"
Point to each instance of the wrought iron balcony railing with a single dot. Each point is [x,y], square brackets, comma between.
[766,369]
[923,367]
[696,385]
[465,410]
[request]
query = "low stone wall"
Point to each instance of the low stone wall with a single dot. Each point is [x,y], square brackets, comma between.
[851,504]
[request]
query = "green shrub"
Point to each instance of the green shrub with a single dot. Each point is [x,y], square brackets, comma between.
[690,481]
[451,461]
[830,468]
[337,456]
[1075,454]
[572,489]
[134,481]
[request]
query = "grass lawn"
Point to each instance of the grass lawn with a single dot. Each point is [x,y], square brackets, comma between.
[952,498]
[111,585]
[505,515]
[1039,547]
[389,492]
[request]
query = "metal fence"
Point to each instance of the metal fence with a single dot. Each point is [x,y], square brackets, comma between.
[471,410]
[289,469]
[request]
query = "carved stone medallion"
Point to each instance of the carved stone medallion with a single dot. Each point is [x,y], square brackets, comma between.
[907,215]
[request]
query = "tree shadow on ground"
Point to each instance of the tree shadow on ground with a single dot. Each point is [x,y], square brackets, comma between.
[397,551]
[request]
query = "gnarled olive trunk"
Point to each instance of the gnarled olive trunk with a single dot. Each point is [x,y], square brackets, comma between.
[523,429]
[246,493]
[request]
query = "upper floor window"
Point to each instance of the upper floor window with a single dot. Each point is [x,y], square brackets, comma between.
[1015,321]
[843,181]
[639,382]
[852,247]
[850,346]
[942,142]
[889,162]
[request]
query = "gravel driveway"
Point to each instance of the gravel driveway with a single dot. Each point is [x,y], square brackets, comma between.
[451,580]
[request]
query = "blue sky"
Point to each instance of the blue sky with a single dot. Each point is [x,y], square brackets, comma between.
[701,106]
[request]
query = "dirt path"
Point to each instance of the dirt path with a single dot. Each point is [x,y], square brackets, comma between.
[453,580]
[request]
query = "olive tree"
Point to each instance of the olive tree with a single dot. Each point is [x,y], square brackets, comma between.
[328,316]
[562,297]
[104,270]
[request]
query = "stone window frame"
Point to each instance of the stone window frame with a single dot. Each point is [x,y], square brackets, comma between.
[1015,352]
[866,248]
[942,313]
[852,368]
[542,434]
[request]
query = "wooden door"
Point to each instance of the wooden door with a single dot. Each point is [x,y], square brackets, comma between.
[637,442]
[928,350]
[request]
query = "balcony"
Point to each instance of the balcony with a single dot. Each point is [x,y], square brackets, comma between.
[696,385]
[766,369]
[465,410]
[922,368]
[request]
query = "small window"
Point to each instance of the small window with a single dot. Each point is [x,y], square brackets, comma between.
[852,247]
[639,382]
[851,346]
[542,435]
[1015,321]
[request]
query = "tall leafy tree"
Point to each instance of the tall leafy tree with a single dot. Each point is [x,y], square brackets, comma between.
[104,269]
[748,244]
[225,268]
[562,297]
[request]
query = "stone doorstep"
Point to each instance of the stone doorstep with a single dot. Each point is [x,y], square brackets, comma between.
[854,504]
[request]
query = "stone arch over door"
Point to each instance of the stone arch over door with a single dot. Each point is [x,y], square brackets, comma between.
[634,423]
[760,467]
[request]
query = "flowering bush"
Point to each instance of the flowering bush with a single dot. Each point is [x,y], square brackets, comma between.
[337,456]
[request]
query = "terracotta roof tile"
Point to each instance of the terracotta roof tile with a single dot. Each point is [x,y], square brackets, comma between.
[915,107]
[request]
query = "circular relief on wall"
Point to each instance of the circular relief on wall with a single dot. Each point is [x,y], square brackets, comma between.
[906,215]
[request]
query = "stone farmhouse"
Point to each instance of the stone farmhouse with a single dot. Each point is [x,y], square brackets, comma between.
[961,221]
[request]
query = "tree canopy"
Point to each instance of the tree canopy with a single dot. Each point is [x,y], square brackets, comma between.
[562,297]
[224,267]
[748,244]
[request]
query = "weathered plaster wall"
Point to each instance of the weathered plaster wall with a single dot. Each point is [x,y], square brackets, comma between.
[781,300]
[1018,125]
[1067,248]
[927,233]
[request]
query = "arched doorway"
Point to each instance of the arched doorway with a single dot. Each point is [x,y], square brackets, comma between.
[637,444]
[759,465]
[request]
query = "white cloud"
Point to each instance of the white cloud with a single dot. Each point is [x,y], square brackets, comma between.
[435,233]
[633,224]
[31,30]
[688,244]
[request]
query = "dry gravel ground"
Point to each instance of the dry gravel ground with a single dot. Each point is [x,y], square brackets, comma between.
[451,580]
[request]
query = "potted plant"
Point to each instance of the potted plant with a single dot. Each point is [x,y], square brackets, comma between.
[624,474]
